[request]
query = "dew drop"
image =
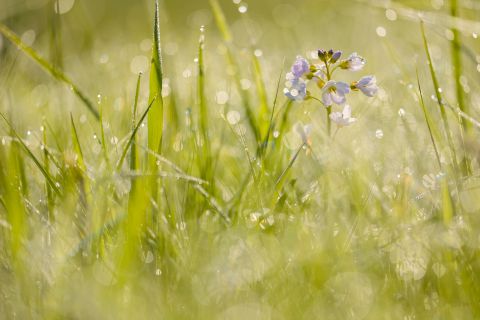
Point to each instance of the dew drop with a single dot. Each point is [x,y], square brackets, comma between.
[391,14]
[381,31]
[222,97]
[243,8]
[233,117]
[246,84]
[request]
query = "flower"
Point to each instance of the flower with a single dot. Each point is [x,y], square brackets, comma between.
[344,118]
[368,85]
[353,63]
[300,67]
[335,56]
[295,89]
[334,92]
[304,132]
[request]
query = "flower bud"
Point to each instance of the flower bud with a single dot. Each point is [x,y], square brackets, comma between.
[336,55]
[322,55]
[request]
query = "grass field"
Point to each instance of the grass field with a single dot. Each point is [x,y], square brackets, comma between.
[176,160]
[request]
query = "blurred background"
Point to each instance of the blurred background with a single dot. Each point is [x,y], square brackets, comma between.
[111,40]
[333,259]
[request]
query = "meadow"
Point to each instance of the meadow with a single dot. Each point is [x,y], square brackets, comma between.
[214,159]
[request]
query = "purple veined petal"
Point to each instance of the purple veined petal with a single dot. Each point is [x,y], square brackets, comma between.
[342,87]
[368,86]
[353,63]
[300,67]
[295,89]
[334,92]
[327,99]
[338,98]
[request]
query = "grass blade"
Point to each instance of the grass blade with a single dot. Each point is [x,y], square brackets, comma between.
[456,46]
[262,95]
[133,148]
[430,124]
[32,156]
[53,71]
[76,144]
[440,102]
[132,136]
[203,112]
[232,64]
[155,117]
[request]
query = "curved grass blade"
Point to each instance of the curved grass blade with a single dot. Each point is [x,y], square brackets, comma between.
[34,159]
[53,71]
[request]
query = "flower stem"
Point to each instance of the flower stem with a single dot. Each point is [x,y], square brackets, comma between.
[329,121]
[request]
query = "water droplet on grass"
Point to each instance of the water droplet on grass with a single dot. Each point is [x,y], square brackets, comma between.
[243,8]
[233,117]
[221,97]
[381,31]
[63,6]
[391,14]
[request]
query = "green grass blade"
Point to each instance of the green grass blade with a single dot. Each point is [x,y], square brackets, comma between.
[266,139]
[205,157]
[440,102]
[456,46]
[76,144]
[133,135]
[102,137]
[47,176]
[133,148]
[232,64]
[264,112]
[155,117]
[55,72]
[221,21]
[46,164]
[430,123]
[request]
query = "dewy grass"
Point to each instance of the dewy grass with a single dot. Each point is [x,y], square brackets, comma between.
[52,70]
[226,196]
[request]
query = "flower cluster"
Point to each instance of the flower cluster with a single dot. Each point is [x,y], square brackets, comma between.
[333,92]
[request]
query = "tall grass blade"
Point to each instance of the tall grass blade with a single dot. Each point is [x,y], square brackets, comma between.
[133,147]
[53,71]
[232,64]
[440,101]
[131,140]
[155,117]
[206,157]
[430,123]
[456,45]
[263,115]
